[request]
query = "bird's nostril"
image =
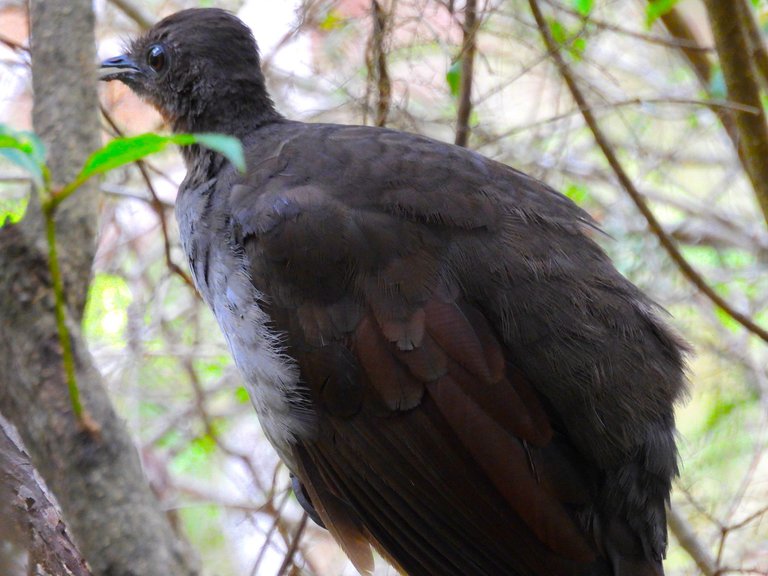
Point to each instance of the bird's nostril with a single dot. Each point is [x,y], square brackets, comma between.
[117,64]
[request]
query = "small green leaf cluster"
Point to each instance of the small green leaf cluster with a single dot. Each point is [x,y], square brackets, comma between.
[26,151]
[656,9]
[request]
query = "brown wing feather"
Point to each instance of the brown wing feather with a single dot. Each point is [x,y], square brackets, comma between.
[447,485]
[339,517]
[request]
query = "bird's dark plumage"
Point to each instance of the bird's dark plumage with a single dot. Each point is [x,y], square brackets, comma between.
[453,370]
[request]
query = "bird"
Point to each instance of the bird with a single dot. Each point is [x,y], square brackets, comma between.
[452,369]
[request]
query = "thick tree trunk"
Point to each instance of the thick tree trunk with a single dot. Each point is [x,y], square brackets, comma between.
[95,475]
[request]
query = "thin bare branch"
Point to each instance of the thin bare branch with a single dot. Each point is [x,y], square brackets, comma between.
[376,61]
[13,45]
[712,104]
[288,560]
[468,50]
[687,539]
[602,141]
[135,13]
[701,64]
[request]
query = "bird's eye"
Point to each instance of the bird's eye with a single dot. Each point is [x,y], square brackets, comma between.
[156,57]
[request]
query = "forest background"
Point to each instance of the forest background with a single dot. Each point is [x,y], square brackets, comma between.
[649,114]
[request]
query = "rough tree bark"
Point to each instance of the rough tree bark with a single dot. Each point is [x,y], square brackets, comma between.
[27,513]
[95,475]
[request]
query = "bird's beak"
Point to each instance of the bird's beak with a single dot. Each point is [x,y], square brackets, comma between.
[118,68]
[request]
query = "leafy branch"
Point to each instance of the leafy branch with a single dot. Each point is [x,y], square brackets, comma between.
[25,150]
[685,267]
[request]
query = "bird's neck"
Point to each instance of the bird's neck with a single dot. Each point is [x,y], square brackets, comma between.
[235,111]
[229,114]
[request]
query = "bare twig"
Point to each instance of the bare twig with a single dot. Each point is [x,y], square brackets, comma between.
[13,45]
[270,533]
[727,20]
[468,50]
[135,13]
[687,539]
[288,560]
[712,104]
[602,141]
[749,519]
[376,61]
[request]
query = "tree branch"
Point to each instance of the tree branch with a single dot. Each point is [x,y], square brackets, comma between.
[602,141]
[701,64]
[376,61]
[687,539]
[756,43]
[39,524]
[468,50]
[135,13]
[288,559]
[727,20]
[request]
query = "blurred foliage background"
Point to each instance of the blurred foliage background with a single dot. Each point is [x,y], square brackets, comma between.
[167,366]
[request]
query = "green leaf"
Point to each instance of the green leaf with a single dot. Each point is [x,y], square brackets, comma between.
[228,146]
[333,20]
[25,150]
[453,77]
[578,47]
[577,193]
[583,7]
[12,210]
[721,409]
[574,44]
[242,396]
[27,142]
[558,31]
[122,151]
[656,9]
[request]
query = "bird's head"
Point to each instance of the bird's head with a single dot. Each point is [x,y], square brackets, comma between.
[200,69]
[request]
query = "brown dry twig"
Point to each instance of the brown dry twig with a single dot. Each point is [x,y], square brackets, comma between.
[467,56]
[288,560]
[376,61]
